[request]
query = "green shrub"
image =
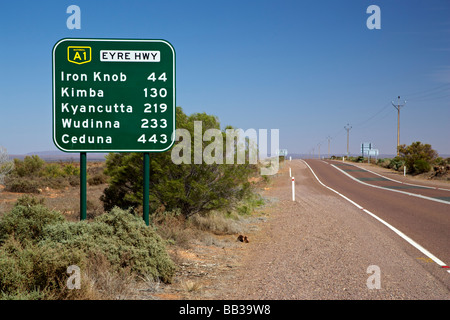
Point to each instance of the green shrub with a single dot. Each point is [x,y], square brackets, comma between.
[123,238]
[31,165]
[249,204]
[396,164]
[421,166]
[97,179]
[33,174]
[27,200]
[26,222]
[415,155]
[54,182]
[32,271]
[52,170]
[71,170]
[383,162]
[22,295]
[21,184]
[189,187]
[37,245]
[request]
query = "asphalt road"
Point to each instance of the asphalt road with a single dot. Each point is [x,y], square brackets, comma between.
[420,213]
[324,244]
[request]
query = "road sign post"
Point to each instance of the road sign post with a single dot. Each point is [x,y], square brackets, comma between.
[146,204]
[83,183]
[114,95]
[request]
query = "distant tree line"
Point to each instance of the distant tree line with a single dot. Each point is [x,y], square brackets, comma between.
[417,158]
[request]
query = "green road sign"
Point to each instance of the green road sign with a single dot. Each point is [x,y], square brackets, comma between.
[113,95]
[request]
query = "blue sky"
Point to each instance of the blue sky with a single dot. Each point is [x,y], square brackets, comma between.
[306,68]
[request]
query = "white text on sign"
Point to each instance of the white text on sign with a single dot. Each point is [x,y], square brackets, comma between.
[129,56]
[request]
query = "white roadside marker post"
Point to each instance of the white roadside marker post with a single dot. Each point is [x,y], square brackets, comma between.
[290,174]
[293,189]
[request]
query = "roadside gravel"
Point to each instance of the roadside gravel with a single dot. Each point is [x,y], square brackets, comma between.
[320,247]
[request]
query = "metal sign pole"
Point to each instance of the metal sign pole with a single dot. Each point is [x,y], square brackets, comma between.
[83,186]
[146,200]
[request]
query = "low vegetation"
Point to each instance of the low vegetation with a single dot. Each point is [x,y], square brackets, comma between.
[37,245]
[40,238]
[191,188]
[33,174]
[417,158]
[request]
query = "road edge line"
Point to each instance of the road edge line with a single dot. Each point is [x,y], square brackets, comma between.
[393,190]
[397,181]
[398,232]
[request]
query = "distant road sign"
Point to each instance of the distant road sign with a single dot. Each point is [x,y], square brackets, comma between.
[113,95]
[365,147]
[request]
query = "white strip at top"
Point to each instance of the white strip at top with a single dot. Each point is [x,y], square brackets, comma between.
[130,56]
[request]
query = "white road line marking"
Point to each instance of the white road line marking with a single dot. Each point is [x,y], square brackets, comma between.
[410,184]
[398,232]
[393,190]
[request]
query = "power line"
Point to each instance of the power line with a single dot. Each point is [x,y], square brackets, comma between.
[440,88]
[373,116]
[430,99]
[418,96]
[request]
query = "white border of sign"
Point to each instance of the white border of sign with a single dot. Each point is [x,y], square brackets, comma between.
[112,150]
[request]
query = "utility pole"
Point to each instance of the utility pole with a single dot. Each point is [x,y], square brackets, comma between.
[329,139]
[319,149]
[398,107]
[347,127]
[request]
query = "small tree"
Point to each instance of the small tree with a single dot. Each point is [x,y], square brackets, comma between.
[31,165]
[417,156]
[190,187]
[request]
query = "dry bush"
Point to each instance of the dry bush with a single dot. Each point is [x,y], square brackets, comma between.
[105,283]
[172,226]
[37,245]
[191,286]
